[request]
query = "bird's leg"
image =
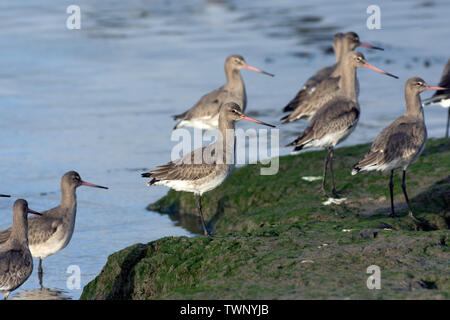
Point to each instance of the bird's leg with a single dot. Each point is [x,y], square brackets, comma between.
[391,191]
[40,273]
[333,186]
[205,230]
[6,295]
[448,123]
[406,196]
[325,167]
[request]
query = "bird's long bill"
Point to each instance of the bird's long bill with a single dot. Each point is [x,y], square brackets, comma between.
[246,66]
[369,66]
[244,117]
[87,184]
[366,45]
[34,212]
[436,88]
[5,196]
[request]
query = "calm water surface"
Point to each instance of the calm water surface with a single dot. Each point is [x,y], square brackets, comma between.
[98,100]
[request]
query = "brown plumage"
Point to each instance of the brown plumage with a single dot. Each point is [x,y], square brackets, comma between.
[324,85]
[16,262]
[204,168]
[401,142]
[337,119]
[205,113]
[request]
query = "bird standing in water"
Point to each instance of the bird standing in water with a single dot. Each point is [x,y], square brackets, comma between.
[53,230]
[16,262]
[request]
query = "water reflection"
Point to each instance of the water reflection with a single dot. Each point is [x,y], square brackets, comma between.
[41,294]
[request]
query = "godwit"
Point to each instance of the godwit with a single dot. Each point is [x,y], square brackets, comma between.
[16,263]
[442,97]
[323,86]
[401,142]
[338,118]
[205,113]
[320,75]
[53,231]
[204,168]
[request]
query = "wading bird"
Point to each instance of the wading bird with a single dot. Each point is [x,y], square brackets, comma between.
[401,142]
[338,118]
[205,113]
[324,85]
[53,230]
[205,168]
[16,262]
[442,97]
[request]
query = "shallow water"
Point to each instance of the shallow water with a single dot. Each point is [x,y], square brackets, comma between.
[98,100]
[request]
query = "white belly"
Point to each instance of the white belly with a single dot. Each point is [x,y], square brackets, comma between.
[57,242]
[197,186]
[331,139]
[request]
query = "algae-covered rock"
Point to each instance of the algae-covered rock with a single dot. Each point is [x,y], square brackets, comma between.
[274,239]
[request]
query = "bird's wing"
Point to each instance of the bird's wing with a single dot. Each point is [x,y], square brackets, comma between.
[324,92]
[309,87]
[8,257]
[444,82]
[208,105]
[192,166]
[402,139]
[336,116]
[42,228]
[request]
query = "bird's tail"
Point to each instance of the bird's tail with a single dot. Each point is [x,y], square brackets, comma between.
[180,116]
[285,119]
[302,140]
[355,169]
[149,175]
[369,162]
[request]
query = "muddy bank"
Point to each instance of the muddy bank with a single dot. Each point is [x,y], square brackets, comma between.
[275,238]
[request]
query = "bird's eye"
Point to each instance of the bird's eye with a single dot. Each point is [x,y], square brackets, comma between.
[419,84]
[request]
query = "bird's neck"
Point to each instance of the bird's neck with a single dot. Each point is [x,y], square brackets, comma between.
[68,198]
[413,104]
[20,229]
[337,52]
[226,141]
[347,81]
[234,80]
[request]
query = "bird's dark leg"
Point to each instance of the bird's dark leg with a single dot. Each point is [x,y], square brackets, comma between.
[391,191]
[40,273]
[205,230]
[5,297]
[448,123]
[325,167]
[406,196]
[333,186]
